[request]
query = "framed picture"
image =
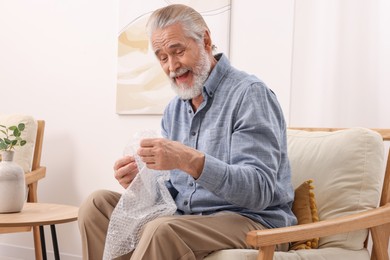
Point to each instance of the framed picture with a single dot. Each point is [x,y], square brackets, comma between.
[142,86]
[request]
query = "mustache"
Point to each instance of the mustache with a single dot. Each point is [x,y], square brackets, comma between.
[178,73]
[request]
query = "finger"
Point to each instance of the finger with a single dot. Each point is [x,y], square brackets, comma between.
[130,169]
[123,161]
[145,152]
[152,165]
[120,174]
[147,142]
[125,183]
[148,159]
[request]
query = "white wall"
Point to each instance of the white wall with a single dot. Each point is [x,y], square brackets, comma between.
[262,41]
[58,63]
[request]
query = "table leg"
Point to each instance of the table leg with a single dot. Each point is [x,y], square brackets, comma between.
[55,242]
[43,244]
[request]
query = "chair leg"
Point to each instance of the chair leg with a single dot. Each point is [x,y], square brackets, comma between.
[380,242]
[37,243]
[266,253]
[32,197]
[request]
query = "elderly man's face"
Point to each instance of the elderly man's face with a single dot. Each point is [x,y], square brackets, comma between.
[183,59]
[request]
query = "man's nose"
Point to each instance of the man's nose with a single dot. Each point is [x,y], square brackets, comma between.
[173,64]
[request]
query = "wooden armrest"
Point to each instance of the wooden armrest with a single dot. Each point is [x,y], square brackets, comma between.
[35,175]
[270,237]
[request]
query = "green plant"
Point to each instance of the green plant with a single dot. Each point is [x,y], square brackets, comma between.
[11,137]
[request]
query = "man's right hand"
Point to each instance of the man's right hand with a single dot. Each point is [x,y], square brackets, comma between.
[125,170]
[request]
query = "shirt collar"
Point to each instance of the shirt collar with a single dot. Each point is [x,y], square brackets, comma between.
[216,75]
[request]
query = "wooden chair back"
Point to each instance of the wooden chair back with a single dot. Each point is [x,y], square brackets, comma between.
[37,173]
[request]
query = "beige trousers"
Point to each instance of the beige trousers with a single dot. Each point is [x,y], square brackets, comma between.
[188,237]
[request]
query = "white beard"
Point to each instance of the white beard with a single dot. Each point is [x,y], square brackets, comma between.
[200,74]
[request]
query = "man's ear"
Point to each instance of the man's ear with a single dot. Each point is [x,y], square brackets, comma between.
[207,41]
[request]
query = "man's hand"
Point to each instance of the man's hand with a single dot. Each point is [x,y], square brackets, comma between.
[164,154]
[125,170]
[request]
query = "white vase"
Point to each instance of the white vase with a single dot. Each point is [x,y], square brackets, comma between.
[12,184]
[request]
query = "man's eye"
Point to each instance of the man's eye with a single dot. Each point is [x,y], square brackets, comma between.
[180,52]
[163,58]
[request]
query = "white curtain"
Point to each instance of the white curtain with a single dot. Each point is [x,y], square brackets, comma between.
[341,63]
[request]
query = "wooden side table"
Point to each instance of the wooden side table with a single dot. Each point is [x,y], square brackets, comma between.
[41,214]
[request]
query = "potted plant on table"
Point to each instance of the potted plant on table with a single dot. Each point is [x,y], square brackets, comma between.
[12,181]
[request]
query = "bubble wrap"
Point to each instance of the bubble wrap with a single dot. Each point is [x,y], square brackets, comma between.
[145,199]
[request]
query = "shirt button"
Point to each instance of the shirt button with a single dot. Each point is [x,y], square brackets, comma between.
[185,203]
[189,111]
[191,184]
[193,133]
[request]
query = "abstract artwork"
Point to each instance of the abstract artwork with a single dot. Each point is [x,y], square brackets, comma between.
[142,86]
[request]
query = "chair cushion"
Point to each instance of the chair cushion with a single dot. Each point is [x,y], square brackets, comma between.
[23,154]
[347,167]
[330,253]
[315,254]
[233,254]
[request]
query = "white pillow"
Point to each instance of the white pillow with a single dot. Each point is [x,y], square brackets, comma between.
[347,167]
[23,154]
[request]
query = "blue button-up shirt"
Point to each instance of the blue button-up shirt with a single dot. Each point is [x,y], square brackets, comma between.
[241,130]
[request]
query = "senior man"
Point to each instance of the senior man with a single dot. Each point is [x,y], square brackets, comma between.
[224,145]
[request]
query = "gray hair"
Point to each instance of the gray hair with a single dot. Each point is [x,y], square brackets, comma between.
[192,22]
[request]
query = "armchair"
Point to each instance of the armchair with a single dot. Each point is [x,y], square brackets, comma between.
[352,194]
[30,159]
